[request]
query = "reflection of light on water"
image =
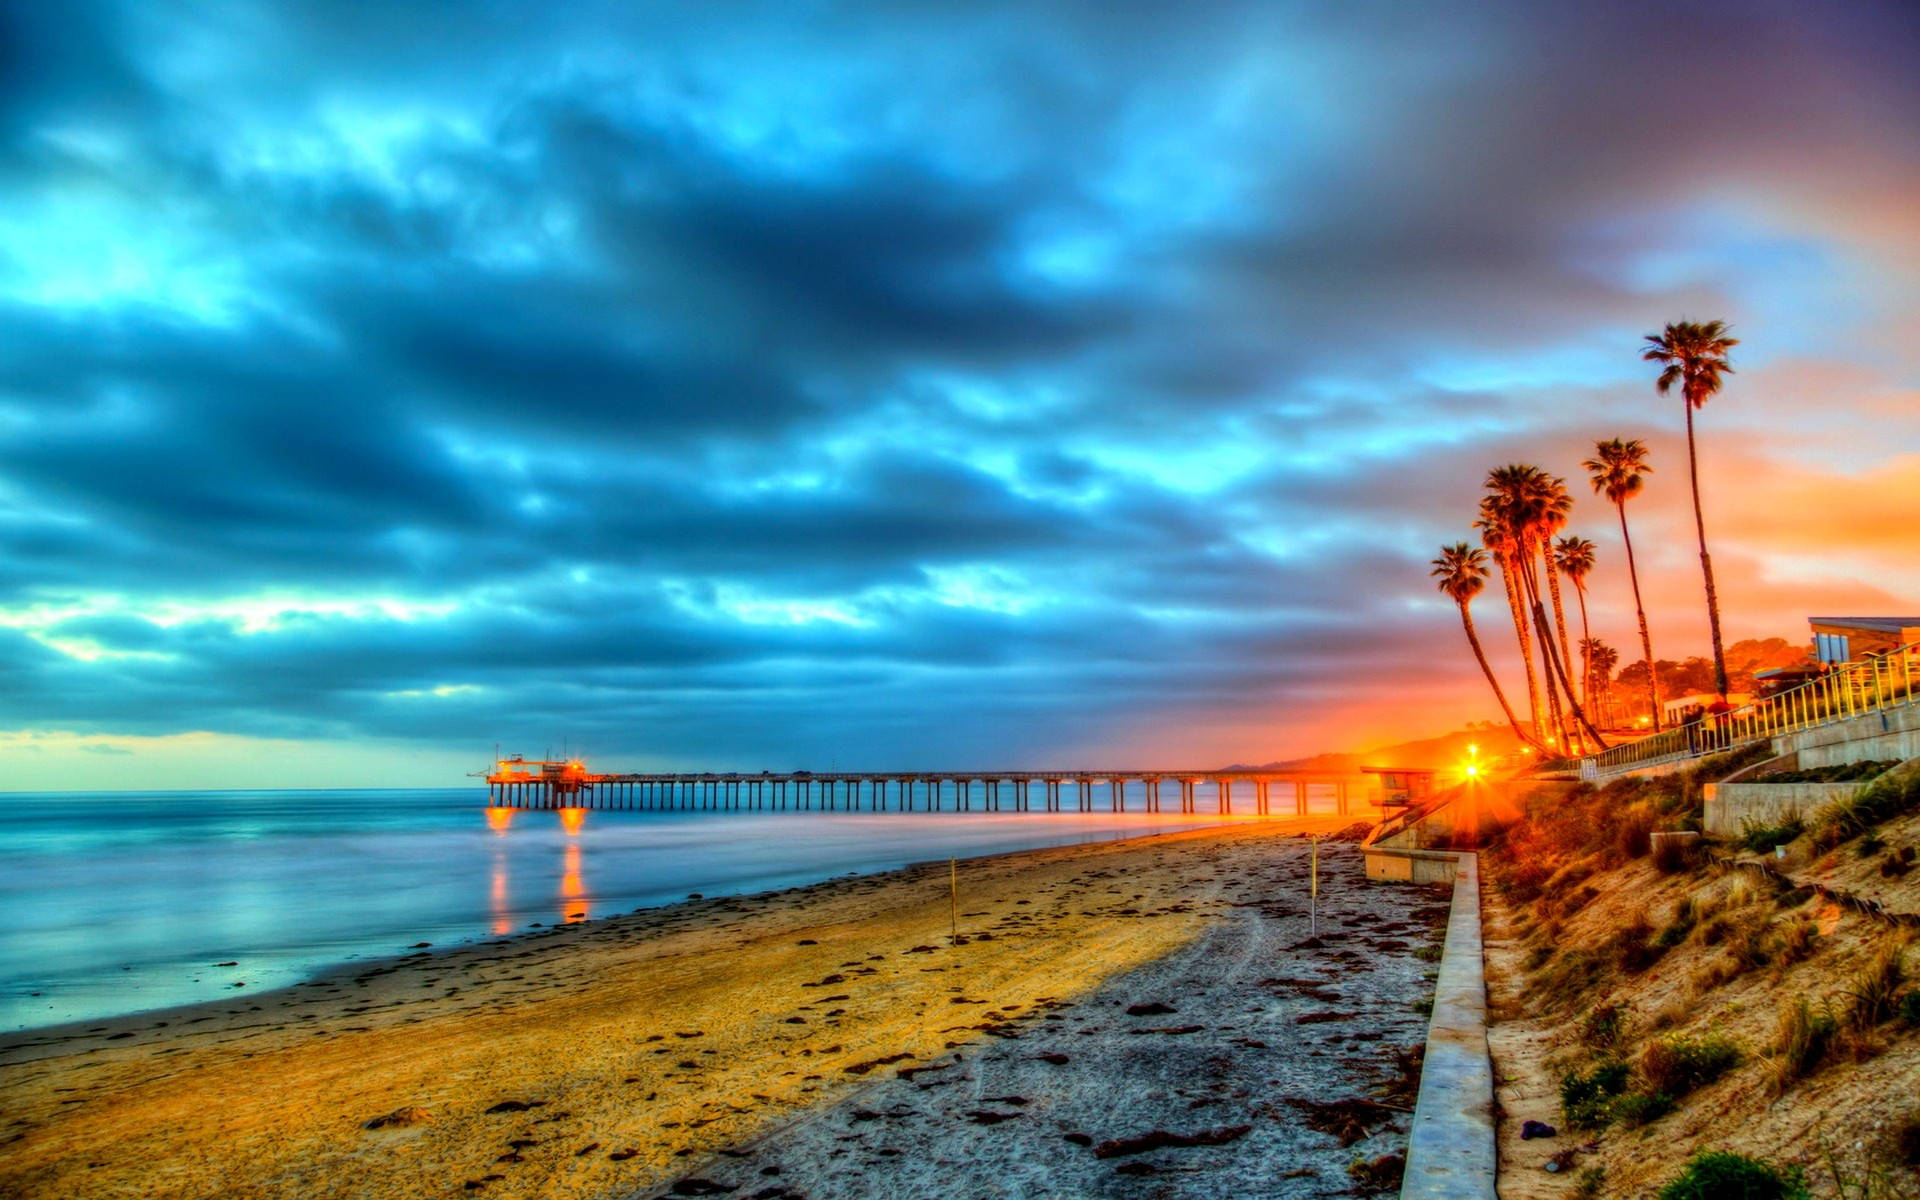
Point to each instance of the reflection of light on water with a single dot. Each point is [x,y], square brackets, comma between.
[573,820]
[502,915]
[498,819]
[573,903]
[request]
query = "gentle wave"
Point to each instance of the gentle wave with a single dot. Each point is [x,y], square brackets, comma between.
[123,902]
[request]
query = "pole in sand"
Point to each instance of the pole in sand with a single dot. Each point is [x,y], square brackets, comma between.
[953,899]
[1313,903]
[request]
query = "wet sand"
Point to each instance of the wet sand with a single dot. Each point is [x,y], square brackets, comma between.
[714,1039]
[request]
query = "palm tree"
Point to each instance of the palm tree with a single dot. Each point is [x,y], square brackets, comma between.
[1550,518]
[1462,572]
[1574,557]
[1618,469]
[1527,502]
[1504,547]
[1695,355]
[1601,660]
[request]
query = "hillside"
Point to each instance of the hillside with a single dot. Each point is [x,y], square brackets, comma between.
[1443,751]
[1719,1000]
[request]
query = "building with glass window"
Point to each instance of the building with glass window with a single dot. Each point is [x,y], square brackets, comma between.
[1850,639]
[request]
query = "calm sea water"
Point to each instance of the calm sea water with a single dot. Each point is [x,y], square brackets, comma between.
[118,902]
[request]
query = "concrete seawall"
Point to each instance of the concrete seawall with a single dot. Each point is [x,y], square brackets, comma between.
[1451,1151]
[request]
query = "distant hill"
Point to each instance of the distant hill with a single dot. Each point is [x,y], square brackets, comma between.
[1446,750]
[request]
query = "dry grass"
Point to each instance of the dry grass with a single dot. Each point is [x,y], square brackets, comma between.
[1722,988]
[1876,989]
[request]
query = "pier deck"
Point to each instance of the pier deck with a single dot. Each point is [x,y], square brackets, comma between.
[551,785]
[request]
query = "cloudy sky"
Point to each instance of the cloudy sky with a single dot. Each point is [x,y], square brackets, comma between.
[801,384]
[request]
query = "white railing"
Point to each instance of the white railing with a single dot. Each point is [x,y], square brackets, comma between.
[1875,684]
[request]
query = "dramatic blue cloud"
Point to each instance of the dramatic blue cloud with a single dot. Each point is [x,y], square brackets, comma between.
[766,384]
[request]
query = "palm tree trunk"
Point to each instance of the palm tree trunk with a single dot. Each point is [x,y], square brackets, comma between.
[1530,586]
[1553,589]
[1706,564]
[1586,654]
[1526,645]
[1559,613]
[1557,670]
[1640,611]
[1480,656]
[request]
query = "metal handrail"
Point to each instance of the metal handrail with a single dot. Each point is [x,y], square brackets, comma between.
[1874,684]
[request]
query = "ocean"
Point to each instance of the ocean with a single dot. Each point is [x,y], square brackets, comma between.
[121,902]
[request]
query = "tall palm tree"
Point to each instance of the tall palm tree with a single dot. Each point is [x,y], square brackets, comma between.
[1512,503]
[1550,518]
[1501,544]
[1574,557]
[1462,572]
[1601,660]
[1618,469]
[1695,357]
[1527,502]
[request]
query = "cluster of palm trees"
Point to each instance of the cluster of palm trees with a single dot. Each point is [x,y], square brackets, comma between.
[1525,508]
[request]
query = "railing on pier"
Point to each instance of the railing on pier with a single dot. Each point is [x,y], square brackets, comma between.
[1876,684]
[519,784]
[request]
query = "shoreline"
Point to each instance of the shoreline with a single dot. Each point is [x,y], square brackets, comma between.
[662,1035]
[495,887]
[336,970]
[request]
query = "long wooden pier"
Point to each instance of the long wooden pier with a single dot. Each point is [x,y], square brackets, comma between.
[515,783]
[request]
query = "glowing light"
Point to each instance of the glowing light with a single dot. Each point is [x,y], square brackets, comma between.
[498,819]
[502,913]
[573,905]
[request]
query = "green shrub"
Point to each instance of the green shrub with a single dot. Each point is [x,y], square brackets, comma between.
[1721,1176]
[1910,1008]
[1588,1186]
[1586,1100]
[1762,838]
[1641,1108]
[1718,1175]
[1676,1064]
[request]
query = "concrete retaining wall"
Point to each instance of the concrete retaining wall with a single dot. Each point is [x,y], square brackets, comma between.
[1893,733]
[1397,864]
[1451,1152]
[1731,807]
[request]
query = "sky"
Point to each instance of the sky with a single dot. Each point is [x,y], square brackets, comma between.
[883,386]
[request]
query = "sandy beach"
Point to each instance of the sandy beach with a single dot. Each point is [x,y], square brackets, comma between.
[823,1041]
